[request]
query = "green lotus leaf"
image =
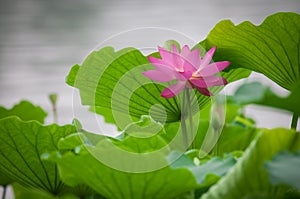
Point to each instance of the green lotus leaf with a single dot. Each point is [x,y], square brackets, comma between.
[26,111]
[249,178]
[257,93]
[78,192]
[112,166]
[112,84]
[271,48]
[21,146]
[236,132]
[284,169]
[234,138]
[4,179]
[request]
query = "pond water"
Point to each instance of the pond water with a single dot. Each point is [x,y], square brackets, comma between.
[40,40]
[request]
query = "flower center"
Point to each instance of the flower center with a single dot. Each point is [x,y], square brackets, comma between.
[195,75]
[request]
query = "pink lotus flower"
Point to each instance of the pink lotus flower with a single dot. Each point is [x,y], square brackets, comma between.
[188,68]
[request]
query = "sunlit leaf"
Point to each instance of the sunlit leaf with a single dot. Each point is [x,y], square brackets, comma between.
[78,192]
[236,133]
[249,178]
[21,192]
[21,146]
[26,111]
[271,48]
[112,84]
[82,164]
[233,138]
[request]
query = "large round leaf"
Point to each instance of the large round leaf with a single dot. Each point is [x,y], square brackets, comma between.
[24,110]
[284,169]
[79,164]
[112,84]
[249,178]
[21,146]
[271,48]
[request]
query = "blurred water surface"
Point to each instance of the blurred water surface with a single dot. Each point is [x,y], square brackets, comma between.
[41,39]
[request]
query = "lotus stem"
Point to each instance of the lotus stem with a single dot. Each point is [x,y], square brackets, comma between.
[186,117]
[4,192]
[55,117]
[189,113]
[183,122]
[53,100]
[294,121]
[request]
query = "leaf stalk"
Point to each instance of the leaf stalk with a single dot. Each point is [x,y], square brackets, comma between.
[4,192]
[186,115]
[294,121]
